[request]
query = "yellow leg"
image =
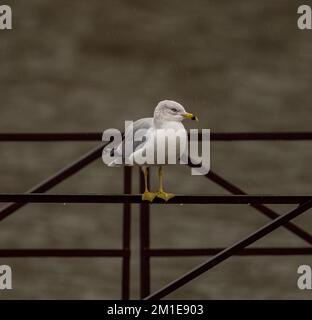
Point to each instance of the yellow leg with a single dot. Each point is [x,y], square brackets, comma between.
[147,195]
[161,193]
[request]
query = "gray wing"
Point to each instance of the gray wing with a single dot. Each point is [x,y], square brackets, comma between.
[142,124]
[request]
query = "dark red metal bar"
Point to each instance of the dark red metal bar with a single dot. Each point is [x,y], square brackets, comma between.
[126,236]
[259,207]
[145,276]
[230,251]
[245,252]
[66,253]
[97,136]
[129,198]
[55,179]
[261,136]
[51,137]
[146,252]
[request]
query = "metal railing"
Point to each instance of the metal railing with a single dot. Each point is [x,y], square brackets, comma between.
[37,195]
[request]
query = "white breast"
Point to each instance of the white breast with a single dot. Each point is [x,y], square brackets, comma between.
[170,143]
[165,144]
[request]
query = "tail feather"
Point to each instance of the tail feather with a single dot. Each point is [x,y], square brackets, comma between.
[113,164]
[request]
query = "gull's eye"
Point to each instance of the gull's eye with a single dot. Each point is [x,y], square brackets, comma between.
[174,110]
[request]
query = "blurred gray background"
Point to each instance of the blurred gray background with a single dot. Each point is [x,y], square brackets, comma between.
[79,65]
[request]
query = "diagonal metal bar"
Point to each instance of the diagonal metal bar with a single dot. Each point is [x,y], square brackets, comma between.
[55,179]
[304,235]
[230,251]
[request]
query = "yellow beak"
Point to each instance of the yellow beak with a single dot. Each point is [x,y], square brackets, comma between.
[190,116]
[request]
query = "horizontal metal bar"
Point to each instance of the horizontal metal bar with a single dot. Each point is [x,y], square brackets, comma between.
[97,136]
[127,198]
[69,253]
[213,251]
[51,137]
[264,136]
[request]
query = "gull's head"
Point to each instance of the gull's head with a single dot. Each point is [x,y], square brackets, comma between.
[168,110]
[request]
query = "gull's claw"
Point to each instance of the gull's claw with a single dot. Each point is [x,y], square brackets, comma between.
[165,195]
[148,196]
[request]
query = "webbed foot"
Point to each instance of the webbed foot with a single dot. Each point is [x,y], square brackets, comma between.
[148,196]
[165,195]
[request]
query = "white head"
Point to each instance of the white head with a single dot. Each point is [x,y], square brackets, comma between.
[168,110]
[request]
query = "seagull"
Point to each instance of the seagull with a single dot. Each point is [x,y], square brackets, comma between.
[168,115]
